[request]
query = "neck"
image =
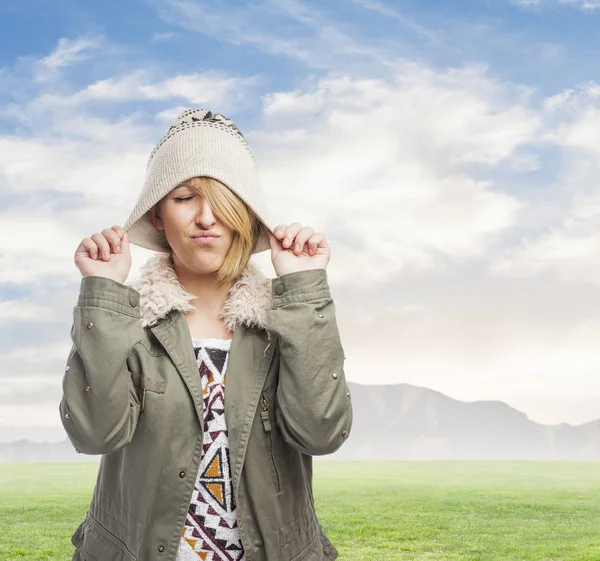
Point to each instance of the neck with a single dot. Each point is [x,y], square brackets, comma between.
[209,295]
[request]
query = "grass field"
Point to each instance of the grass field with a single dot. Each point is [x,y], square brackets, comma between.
[488,511]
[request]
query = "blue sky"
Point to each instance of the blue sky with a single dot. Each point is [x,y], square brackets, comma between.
[549,45]
[448,150]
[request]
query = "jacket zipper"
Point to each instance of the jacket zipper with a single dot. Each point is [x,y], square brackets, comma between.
[264,417]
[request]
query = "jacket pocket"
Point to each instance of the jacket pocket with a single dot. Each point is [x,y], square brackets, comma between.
[266,423]
[96,543]
[76,537]
[143,383]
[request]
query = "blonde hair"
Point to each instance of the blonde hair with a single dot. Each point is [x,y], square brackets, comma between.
[236,214]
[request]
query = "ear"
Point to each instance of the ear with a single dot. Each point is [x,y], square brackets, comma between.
[155,218]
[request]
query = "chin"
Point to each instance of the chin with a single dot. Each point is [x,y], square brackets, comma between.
[200,260]
[206,264]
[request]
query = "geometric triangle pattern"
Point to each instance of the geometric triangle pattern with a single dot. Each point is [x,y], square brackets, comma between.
[210,532]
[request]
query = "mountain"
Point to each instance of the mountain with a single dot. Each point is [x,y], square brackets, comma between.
[27,451]
[407,422]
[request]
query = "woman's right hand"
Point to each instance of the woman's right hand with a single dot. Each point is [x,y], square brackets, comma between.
[98,255]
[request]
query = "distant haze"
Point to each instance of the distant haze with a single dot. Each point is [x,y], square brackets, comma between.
[405,422]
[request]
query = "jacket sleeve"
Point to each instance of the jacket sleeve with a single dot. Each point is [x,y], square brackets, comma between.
[99,408]
[313,405]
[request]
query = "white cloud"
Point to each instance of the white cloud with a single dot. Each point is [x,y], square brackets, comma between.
[161,37]
[388,12]
[315,41]
[12,311]
[384,163]
[527,3]
[567,253]
[567,249]
[586,5]
[35,354]
[236,27]
[210,87]
[69,51]
[296,10]
[583,4]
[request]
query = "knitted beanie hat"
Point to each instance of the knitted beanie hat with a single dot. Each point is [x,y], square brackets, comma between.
[198,143]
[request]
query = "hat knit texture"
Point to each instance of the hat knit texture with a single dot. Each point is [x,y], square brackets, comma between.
[198,143]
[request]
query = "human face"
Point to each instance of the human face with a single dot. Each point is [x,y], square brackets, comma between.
[185,217]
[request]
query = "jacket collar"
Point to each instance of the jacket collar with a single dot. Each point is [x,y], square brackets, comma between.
[160,291]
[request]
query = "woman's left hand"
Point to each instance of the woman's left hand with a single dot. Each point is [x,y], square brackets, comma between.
[296,248]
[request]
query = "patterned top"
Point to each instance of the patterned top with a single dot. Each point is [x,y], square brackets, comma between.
[210,532]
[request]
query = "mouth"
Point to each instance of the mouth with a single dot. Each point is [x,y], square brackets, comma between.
[205,240]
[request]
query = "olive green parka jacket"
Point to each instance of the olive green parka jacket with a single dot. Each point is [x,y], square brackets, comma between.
[132,393]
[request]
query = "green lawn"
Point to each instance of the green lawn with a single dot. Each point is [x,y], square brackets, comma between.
[521,511]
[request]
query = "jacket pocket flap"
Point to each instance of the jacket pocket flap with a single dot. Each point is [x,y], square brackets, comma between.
[142,381]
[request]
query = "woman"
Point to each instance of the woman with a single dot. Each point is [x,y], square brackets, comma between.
[206,386]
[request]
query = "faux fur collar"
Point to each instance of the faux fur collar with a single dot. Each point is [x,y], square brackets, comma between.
[160,291]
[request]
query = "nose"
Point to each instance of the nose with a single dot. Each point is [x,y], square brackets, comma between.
[205,217]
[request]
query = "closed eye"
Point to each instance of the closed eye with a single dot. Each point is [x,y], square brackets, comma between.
[181,199]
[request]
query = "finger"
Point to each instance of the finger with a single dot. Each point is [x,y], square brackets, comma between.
[103,245]
[279,231]
[301,238]
[125,241]
[119,230]
[90,246]
[290,233]
[114,240]
[274,243]
[314,241]
[269,233]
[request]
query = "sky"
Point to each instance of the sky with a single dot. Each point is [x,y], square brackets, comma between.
[448,150]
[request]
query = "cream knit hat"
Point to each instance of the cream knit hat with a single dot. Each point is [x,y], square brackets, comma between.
[198,143]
